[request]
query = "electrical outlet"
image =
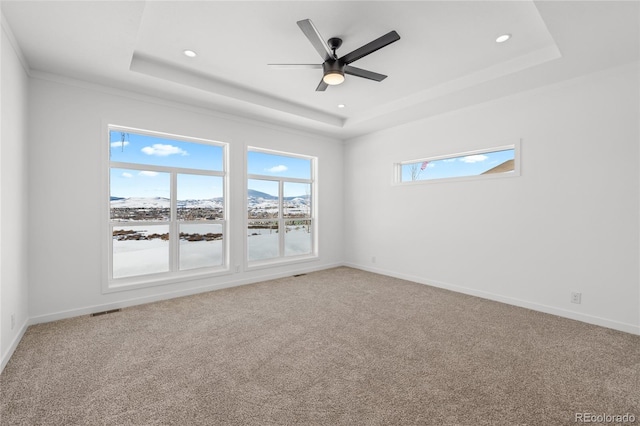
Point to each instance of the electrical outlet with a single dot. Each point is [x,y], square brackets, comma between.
[373,259]
[237,268]
[576,297]
[13,321]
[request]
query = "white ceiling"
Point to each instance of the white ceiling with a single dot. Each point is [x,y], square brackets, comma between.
[446,58]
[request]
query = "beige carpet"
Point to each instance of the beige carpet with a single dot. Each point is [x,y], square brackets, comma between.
[336,347]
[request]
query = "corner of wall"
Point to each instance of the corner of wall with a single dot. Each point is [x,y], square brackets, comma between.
[14,285]
[8,353]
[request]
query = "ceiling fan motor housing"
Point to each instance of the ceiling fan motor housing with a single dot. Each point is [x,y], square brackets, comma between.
[333,67]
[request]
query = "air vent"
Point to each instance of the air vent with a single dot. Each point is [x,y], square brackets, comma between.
[105,312]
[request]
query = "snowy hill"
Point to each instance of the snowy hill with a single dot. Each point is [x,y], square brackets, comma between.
[163,203]
[252,193]
[256,199]
[257,196]
[140,203]
[200,204]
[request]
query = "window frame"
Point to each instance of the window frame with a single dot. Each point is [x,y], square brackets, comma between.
[515,146]
[174,274]
[281,220]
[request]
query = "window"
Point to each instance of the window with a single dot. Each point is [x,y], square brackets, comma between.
[474,164]
[166,208]
[280,206]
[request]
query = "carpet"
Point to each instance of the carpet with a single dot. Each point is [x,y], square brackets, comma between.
[335,347]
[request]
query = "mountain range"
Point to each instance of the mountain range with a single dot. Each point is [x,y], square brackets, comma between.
[254,198]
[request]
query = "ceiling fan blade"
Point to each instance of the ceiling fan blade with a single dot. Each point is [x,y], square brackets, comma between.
[315,38]
[359,72]
[370,47]
[322,86]
[296,66]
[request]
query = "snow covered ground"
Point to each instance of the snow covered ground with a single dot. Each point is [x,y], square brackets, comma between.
[297,241]
[141,257]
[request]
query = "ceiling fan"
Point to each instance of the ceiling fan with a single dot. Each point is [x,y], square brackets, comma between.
[335,68]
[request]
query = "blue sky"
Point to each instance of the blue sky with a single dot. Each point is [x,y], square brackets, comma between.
[469,165]
[135,183]
[260,163]
[145,149]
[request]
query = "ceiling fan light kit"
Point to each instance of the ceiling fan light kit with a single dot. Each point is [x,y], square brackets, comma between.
[334,68]
[333,73]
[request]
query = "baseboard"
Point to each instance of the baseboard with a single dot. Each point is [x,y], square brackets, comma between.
[6,356]
[172,295]
[589,319]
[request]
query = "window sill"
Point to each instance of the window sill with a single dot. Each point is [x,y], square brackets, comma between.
[271,263]
[458,179]
[133,283]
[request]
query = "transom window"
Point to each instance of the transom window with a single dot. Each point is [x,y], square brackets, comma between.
[167,208]
[280,206]
[491,162]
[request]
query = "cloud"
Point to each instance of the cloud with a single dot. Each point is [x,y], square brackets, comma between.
[148,173]
[449,160]
[162,150]
[127,175]
[277,169]
[119,144]
[473,158]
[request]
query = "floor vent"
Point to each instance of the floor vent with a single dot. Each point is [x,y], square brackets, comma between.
[105,312]
[300,275]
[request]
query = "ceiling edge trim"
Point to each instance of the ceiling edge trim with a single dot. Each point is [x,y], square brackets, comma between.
[6,28]
[183,105]
[169,72]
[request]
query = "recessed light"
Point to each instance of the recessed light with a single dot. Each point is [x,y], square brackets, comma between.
[341,105]
[503,38]
[190,53]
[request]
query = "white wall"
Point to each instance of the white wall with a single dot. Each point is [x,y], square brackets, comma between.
[13,208]
[568,223]
[67,123]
